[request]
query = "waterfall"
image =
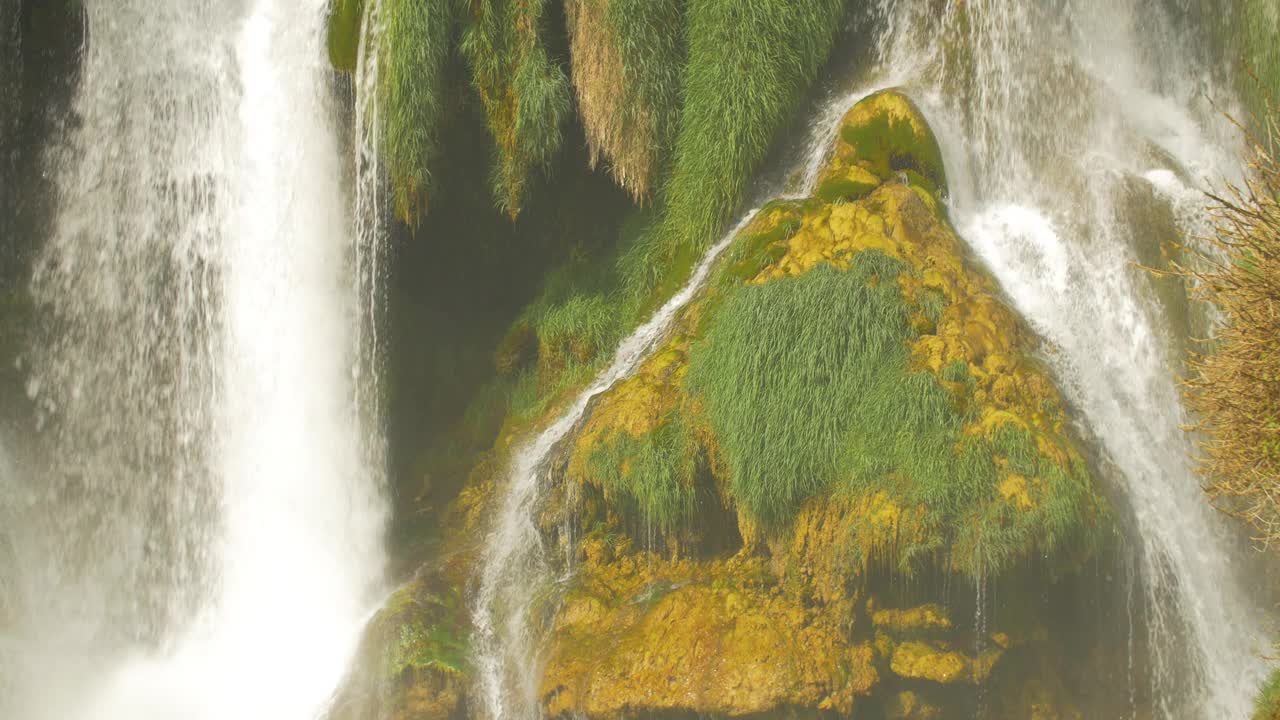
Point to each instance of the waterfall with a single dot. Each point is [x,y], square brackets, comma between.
[1064,124]
[205,536]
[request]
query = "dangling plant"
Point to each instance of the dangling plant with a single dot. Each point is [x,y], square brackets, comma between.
[627,62]
[413,61]
[749,63]
[525,93]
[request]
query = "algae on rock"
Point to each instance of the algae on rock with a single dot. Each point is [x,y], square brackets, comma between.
[413,659]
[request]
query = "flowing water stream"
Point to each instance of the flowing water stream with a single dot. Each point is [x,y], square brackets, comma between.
[203,538]
[1072,130]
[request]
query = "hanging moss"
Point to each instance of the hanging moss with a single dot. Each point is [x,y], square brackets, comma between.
[627,61]
[749,63]
[525,93]
[343,37]
[413,60]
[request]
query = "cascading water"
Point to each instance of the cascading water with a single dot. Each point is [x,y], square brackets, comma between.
[205,539]
[1065,127]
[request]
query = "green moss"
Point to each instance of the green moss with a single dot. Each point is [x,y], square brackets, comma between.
[525,93]
[847,187]
[429,631]
[760,244]
[808,387]
[652,476]
[1267,704]
[890,136]
[749,62]
[413,58]
[343,33]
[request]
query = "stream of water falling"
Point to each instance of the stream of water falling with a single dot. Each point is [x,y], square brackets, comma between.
[1070,129]
[204,536]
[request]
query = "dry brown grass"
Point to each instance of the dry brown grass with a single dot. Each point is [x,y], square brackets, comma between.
[619,128]
[626,58]
[1235,381]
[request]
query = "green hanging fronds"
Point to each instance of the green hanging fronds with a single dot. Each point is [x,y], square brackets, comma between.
[525,93]
[749,63]
[627,61]
[412,73]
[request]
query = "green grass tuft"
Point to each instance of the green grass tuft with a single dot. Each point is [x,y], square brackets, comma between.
[413,63]
[749,62]
[525,93]
[429,632]
[652,476]
[808,387]
[783,365]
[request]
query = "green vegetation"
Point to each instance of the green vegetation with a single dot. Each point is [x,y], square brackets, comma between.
[781,366]
[651,476]
[344,33]
[627,61]
[808,387]
[413,60]
[681,99]
[888,136]
[1262,52]
[1267,704]
[524,92]
[429,631]
[749,62]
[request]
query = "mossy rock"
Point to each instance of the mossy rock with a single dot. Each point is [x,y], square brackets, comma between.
[641,636]
[343,38]
[885,135]
[413,660]
[916,660]
[848,353]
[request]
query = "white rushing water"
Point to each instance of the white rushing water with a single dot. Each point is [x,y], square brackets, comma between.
[1071,131]
[205,539]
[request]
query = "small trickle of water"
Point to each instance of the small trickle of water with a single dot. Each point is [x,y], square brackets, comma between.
[514,562]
